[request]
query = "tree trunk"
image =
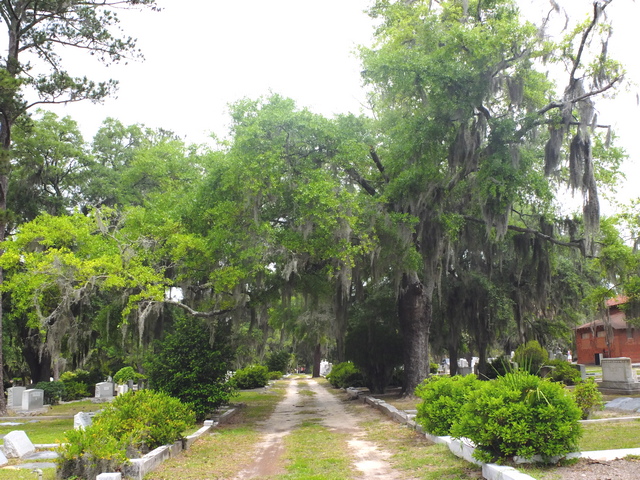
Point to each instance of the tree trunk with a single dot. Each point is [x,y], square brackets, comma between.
[453,359]
[316,361]
[340,328]
[38,360]
[414,311]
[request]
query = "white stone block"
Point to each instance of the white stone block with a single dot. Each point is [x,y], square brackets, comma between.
[32,399]
[104,390]
[17,444]
[109,476]
[14,397]
[82,420]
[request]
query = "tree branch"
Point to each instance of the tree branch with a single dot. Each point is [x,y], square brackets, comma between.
[196,313]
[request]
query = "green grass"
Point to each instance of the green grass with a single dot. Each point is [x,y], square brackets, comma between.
[72,408]
[315,453]
[610,435]
[42,431]
[11,473]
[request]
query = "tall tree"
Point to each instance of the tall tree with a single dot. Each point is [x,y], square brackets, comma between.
[32,72]
[464,113]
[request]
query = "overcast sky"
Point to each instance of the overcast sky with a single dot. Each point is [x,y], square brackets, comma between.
[203,54]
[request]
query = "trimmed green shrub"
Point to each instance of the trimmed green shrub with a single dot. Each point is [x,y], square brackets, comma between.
[53,391]
[125,374]
[275,375]
[530,356]
[442,401]
[520,414]
[187,366]
[563,372]
[433,368]
[130,426]
[587,397]
[279,361]
[78,384]
[253,376]
[345,375]
[499,367]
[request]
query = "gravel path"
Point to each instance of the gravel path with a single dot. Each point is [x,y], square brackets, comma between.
[291,412]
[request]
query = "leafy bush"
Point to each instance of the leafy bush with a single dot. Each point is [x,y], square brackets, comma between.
[187,366]
[530,356]
[587,397]
[563,372]
[78,384]
[344,375]
[279,361]
[275,375]
[253,376]
[520,414]
[442,401]
[433,368]
[53,391]
[133,424]
[125,374]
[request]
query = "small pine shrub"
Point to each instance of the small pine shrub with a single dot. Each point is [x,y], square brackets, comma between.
[563,372]
[53,391]
[254,376]
[530,356]
[588,397]
[345,375]
[442,401]
[78,384]
[520,414]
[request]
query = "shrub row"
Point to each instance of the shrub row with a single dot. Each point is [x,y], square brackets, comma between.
[516,414]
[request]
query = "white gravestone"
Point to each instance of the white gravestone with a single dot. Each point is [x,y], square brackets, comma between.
[109,476]
[121,389]
[82,420]
[17,444]
[14,397]
[104,390]
[32,399]
[617,374]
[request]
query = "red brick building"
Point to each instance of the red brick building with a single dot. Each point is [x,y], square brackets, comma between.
[621,340]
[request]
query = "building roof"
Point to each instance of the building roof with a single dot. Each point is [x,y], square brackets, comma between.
[617,322]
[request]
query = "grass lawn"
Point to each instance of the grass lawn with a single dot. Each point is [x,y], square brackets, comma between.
[42,431]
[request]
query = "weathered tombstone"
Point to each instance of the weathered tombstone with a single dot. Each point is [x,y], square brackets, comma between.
[17,444]
[121,389]
[546,370]
[14,397]
[109,476]
[104,390]
[617,375]
[464,371]
[82,420]
[325,368]
[582,369]
[32,399]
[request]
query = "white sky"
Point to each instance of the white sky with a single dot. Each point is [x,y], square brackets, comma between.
[202,55]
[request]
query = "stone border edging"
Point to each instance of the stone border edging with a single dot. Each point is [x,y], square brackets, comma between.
[458,447]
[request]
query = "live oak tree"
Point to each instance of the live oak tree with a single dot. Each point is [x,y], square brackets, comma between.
[473,131]
[32,72]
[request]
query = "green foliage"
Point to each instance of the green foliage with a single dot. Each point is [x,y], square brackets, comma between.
[499,367]
[530,356]
[520,414]
[53,391]
[125,374]
[442,401]
[564,372]
[274,375]
[344,375]
[78,384]
[187,366]
[433,368]
[279,361]
[587,397]
[133,424]
[253,376]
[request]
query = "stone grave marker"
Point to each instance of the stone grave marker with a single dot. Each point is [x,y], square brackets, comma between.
[14,397]
[17,444]
[104,390]
[32,399]
[82,420]
[618,375]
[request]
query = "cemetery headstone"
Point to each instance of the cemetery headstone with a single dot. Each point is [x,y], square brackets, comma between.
[32,399]
[17,444]
[82,420]
[618,375]
[14,397]
[104,390]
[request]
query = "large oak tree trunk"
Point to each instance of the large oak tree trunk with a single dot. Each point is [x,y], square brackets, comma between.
[317,354]
[414,311]
[37,358]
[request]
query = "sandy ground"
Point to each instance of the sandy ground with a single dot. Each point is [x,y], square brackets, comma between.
[290,413]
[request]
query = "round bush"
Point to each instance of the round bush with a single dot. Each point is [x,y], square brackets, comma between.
[587,397]
[442,401]
[254,376]
[530,356]
[345,375]
[520,414]
[563,372]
